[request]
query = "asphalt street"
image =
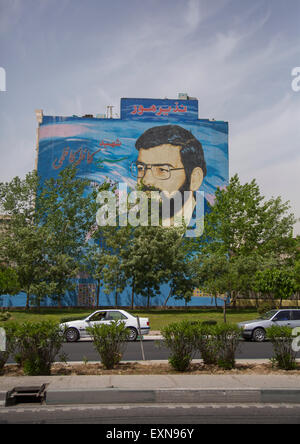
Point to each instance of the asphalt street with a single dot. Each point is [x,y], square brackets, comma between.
[84,350]
[158,415]
[154,351]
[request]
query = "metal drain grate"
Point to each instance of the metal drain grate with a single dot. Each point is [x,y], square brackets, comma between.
[22,395]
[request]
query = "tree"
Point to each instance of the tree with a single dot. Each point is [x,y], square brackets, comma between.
[243,232]
[68,213]
[22,240]
[9,281]
[43,231]
[94,264]
[156,256]
[279,283]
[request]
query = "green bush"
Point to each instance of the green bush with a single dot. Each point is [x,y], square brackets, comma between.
[210,322]
[180,339]
[207,343]
[228,337]
[218,344]
[110,342]
[10,330]
[264,307]
[281,338]
[5,316]
[38,344]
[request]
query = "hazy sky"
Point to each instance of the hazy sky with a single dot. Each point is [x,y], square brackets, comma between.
[76,57]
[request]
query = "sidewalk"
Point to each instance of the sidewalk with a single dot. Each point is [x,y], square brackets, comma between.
[115,389]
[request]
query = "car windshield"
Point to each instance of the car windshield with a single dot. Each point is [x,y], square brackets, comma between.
[268,315]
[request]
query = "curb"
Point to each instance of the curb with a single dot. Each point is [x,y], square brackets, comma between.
[114,395]
[179,396]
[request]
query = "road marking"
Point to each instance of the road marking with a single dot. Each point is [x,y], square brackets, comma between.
[13,409]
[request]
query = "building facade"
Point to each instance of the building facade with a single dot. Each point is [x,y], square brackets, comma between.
[158,139]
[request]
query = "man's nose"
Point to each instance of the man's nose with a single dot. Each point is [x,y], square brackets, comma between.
[148,178]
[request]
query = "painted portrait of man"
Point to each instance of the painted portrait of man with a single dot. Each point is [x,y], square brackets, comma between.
[170,160]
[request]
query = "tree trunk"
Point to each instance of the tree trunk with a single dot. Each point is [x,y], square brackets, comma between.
[98,292]
[27,301]
[168,297]
[132,294]
[224,312]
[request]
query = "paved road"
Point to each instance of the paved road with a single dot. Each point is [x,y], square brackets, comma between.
[158,415]
[85,350]
[76,351]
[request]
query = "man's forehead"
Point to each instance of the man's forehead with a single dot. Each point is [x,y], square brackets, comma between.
[166,153]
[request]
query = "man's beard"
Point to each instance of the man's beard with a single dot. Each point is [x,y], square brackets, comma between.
[168,201]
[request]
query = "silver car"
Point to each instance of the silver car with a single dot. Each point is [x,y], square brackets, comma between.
[256,330]
[75,330]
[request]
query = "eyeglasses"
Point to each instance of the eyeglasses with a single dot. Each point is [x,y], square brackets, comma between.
[159,171]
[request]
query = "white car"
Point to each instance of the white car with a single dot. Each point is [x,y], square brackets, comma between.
[75,330]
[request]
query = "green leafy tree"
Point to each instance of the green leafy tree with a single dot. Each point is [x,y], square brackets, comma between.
[68,213]
[154,258]
[243,233]
[23,241]
[9,281]
[279,283]
[94,264]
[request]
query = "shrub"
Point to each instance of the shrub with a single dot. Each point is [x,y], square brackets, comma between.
[9,346]
[209,322]
[284,355]
[38,345]
[266,306]
[180,339]
[207,343]
[110,342]
[5,316]
[228,337]
[218,344]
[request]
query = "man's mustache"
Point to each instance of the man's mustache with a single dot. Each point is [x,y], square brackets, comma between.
[165,194]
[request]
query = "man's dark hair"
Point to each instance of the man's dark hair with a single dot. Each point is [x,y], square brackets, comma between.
[192,155]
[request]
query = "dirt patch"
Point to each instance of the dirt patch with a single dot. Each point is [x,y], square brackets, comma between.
[134,368]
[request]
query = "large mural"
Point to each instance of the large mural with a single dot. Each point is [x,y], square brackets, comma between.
[160,142]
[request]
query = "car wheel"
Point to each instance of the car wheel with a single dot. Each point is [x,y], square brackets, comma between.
[72,335]
[132,334]
[259,335]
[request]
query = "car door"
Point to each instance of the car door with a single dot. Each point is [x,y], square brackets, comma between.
[98,318]
[283,318]
[295,319]
[116,316]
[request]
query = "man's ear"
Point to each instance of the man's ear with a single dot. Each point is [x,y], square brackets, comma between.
[196,179]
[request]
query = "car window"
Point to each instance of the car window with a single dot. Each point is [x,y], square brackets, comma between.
[100,316]
[115,315]
[282,316]
[296,315]
[268,315]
